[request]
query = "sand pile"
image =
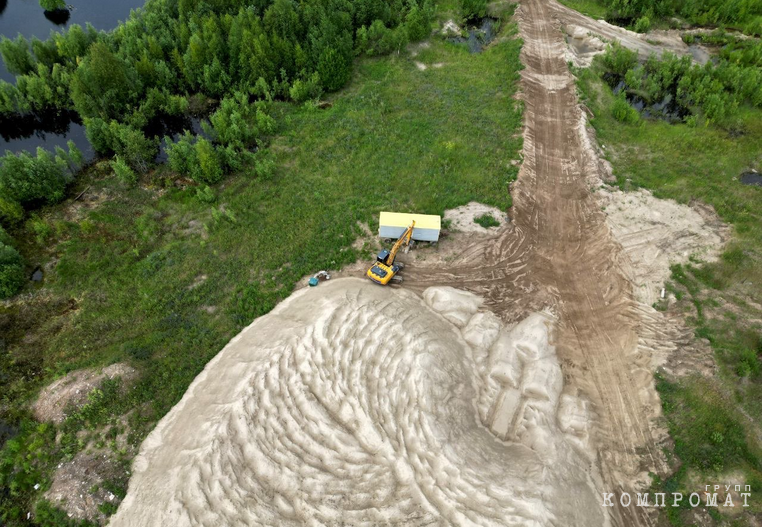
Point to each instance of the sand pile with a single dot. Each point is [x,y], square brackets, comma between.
[657,233]
[354,404]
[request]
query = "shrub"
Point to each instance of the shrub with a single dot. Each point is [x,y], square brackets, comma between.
[205,194]
[11,271]
[240,123]
[487,221]
[180,154]
[418,22]
[307,89]
[264,166]
[5,238]
[380,40]
[334,69]
[474,8]
[25,179]
[40,228]
[10,211]
[619,59]
[138,150]
[126,141]
[207,167]
[622,111]
[643,25]
[16,55]
[123,171]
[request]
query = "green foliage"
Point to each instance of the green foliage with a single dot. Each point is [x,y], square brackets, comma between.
[643,25]
[207,168]
[486,221]
[16,55]
[40,228]
[380,40]
[103,85]
[472,9]
[5,238]
[46,515]
[25,179]
[23,464]
[10,210]
[137,150]
[700,12]
[707,431]
[307,89]
[240,123]
[180,154]
[205,194]
[333,68]
[53,5]
[195,157]
[622,111]
[11,271]
[619,60]
[717,91]
[264,165]
[418,22]
[123,171]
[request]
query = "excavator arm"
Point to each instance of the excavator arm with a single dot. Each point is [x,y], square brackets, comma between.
[403,240]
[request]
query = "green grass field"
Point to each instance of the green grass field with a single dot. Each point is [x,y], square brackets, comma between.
[592,8]
[155,277]
[714,422]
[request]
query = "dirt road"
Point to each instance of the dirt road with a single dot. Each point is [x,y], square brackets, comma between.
[561,252]
[573,253]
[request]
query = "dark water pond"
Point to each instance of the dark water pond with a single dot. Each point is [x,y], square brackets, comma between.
[27,18]
[479,35]
[752,178]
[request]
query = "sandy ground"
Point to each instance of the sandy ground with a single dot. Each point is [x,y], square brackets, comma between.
[656,234]
[354,404]
[514,399]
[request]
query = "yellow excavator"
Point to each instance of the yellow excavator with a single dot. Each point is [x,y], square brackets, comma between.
[385,269]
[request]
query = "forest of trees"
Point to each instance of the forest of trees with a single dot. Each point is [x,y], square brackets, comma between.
[745,14]
[171,52]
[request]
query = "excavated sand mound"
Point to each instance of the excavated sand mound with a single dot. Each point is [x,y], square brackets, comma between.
[353,404]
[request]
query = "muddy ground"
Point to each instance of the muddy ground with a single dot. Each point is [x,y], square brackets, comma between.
[509,381]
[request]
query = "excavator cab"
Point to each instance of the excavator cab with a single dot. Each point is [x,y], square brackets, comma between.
[385,269]
[383,256]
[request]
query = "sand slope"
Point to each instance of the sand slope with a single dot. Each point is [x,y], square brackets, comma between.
[352,404]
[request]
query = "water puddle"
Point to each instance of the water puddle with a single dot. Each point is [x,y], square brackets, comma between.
[751,178]
[478,36]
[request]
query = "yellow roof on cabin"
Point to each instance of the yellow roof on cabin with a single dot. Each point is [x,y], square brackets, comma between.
[402,219]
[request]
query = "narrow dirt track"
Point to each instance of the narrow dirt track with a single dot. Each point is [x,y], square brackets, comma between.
[575,255]
[561,252]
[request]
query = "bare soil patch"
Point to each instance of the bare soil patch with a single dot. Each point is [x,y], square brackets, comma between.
[71,390]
